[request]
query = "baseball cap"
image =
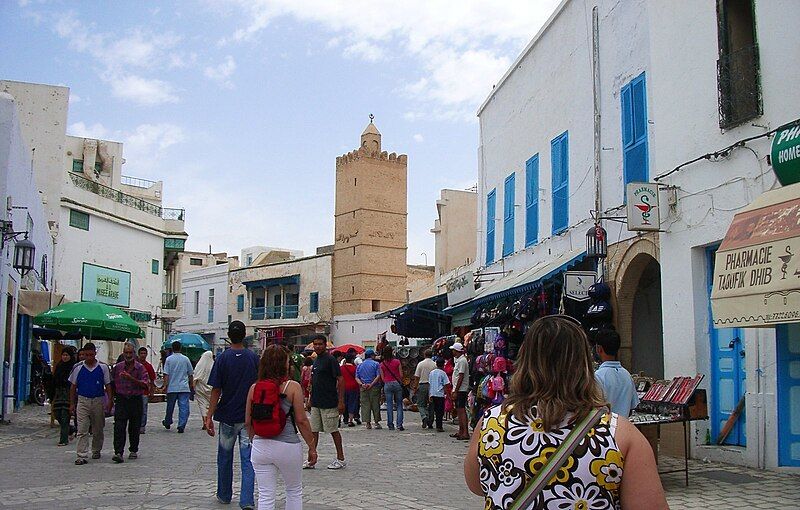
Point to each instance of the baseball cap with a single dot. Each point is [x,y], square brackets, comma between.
[236,327]
[458,346]
[369,353]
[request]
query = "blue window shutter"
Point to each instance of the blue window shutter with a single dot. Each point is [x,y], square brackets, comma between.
[313,305]
[635,160]
[532,200]
[240,303]
[559,150]
[509,195]
[490,216]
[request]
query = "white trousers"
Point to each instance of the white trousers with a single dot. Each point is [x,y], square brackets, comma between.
[269,457]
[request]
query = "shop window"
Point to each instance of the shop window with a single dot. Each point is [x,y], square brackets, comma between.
[313,302]
[559,161]
[509,195]
[531,201]
[78,219]
[491,209]
[154,266]
[634,131]
[738,68]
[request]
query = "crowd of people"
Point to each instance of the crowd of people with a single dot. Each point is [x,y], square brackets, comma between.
[556,434]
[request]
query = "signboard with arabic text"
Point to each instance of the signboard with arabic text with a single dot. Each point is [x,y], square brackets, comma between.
[106,285]
[461,288]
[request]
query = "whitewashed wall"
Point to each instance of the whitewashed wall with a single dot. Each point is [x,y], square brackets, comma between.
[201,280]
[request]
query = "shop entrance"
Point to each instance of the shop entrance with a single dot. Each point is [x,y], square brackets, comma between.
[788,358]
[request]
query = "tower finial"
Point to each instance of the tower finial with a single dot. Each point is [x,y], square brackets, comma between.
[371,118]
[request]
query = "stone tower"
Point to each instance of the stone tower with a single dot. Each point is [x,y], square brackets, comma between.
[369,261]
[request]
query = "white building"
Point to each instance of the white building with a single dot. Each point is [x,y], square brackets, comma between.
[204,304]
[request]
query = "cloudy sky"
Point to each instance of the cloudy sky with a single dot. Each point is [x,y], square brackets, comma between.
[241,106]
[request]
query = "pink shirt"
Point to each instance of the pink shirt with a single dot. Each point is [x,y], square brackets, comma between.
[390,369]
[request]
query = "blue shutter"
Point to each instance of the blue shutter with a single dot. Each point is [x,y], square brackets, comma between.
[313,305]
[240,303]
[532,200]
[490,215]
[559,160]
[509,192]
[635,161]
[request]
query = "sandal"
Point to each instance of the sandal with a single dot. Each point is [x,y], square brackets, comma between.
[306,465]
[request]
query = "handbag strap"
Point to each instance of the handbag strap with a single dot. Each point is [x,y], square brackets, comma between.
[392,372]
[556,461]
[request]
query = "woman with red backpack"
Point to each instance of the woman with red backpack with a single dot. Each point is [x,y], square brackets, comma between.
[274,415]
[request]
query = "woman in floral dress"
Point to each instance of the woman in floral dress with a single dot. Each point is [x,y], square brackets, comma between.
[552,389]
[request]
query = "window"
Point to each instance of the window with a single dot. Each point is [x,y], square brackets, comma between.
[78,219]
[154,266]
[376,305]
[240,303]
[738,67]
[532,201]
[77,166]
[509,192]
[210,305]
[197,302]
[313,302]
[43,271]
[490,213]
[195,262]
[249,260]
[634,131]
[559,160]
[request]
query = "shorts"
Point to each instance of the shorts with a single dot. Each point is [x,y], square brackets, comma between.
[461,400]
[324,420]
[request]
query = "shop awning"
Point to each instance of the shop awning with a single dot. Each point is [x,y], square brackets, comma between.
[34,302]
[757,266]
[521,282]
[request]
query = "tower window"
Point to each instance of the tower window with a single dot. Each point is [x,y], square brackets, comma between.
[354,250]
[376,305]
[355,181]
[353,289]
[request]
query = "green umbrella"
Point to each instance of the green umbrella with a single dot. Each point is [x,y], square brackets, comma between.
[192,345]
[92,319]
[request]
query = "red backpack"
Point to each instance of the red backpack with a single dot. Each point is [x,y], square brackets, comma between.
[266,412]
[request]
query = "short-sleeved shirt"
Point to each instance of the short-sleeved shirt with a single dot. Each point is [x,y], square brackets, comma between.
[391,370]
[438,380]
[124,386]
[90,382]
[349,377]
[234,371]
[324,374]
[424,369]
[178,368]
[461,367]
[367,371]
[151,373]
[618,387]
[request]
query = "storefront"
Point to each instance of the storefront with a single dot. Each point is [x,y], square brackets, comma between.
[756,284]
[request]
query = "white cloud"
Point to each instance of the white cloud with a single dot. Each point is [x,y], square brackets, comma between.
[81,130]
[74,98]
[365,51]
[222,73]
[148,141]
[140,90]
[419,138]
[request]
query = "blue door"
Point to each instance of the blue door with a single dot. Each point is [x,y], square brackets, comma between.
[788,358]
[728,381]
[22,360]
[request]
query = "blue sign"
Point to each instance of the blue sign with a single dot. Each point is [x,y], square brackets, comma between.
[106,285]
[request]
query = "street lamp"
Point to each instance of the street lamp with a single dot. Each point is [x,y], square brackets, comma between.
[596,242]
[24,250]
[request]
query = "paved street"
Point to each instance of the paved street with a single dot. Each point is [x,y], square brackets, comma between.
[178,471]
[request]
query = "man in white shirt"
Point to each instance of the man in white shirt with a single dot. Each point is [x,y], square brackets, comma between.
[460,390]
[617,384]
[422,388]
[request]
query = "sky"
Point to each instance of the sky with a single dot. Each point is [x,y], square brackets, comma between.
[241,106]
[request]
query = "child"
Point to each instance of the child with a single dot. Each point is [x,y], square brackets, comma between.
[438,382]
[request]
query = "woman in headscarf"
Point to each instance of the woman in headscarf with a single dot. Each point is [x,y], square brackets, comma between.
[60,402]
[202,391]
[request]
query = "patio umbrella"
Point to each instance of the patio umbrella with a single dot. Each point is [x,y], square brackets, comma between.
[346,347]
[91,319]
[192,345]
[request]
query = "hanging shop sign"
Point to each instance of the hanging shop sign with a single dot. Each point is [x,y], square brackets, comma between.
[785,155]
[578,283]
[461,288]
[643,208]
[106,285]
[757,267]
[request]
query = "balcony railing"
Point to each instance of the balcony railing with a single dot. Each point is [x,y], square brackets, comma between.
[169,301]
[136,182]
[125,199]
[274,312]
[738,80]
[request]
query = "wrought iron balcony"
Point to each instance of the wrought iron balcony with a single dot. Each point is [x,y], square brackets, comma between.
[125,199]
[169,301]
[274,312]
[738,80]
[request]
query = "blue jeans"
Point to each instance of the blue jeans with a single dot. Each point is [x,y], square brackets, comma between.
[183,408]
[144,411]
[394,397]
[227,439]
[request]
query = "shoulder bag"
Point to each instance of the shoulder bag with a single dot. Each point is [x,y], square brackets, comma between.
[400,380]
[556,461]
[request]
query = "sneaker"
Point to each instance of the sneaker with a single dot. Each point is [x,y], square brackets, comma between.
[81,462]
[369,425]
[358,422]
[306,465]
[133,455]
[63,444]
[96,455]
[166,425]
[351,424]
[337,464]
[118,458]
[180,430]
[378,425]
[400,428]
[424,425]
[439,429]
[221,501]
[391,427]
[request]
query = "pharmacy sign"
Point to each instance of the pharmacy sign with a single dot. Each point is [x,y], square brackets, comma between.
[785,154]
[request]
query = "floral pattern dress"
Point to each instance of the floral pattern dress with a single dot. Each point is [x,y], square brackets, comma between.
[511,452]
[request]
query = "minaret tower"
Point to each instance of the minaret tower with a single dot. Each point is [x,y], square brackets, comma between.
[369,261]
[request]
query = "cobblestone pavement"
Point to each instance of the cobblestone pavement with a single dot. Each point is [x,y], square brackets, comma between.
[415,469]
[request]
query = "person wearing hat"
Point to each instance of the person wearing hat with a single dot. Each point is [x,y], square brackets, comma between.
[234,371]
[460,390]
[369,378]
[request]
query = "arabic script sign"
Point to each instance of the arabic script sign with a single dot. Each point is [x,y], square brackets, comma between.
[461,288]
[106,285]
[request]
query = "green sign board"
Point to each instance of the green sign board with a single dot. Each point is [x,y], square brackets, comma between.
[106,285]
[785,155]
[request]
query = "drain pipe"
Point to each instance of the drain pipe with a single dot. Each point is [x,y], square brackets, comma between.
[598,203]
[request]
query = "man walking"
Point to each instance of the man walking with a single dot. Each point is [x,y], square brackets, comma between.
[617,384]
[90,380]
[131,382]
[460,390]
[234,371]
[368,377]
[422,387]
[179,382]
[151,376]
[327,400]
[438,380]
